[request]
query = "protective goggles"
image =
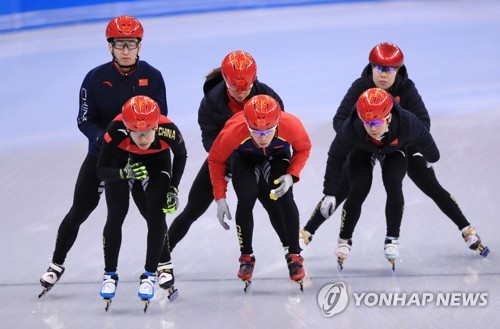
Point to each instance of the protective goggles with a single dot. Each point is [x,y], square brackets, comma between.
[120,44]
[375,123]
[261,133]
[138,134]
[381,68]
[236,90]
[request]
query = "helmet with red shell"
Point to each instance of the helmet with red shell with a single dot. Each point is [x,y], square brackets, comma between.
[239,69]
[262,112]
[140,113]
[124,27]
[374,104]
[386,54]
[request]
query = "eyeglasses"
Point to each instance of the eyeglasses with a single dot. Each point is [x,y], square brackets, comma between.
[130,44]
[236,90]
[138,134]
[261,133]
[381,68]
[375,123]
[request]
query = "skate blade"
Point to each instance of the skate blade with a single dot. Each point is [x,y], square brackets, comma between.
[248,285]
[172,293]
[340,264]
[301,284]
[108,303]
[483,250]
[393,262]
[146,304]
[44,291]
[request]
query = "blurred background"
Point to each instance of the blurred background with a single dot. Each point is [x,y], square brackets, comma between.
[309,52]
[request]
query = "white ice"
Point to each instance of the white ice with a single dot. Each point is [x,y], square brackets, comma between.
[309,55]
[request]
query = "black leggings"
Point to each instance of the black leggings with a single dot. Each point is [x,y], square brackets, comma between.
[246,171]
[424,178]
[150,202]
[201,196]
[360,173]
[88,189]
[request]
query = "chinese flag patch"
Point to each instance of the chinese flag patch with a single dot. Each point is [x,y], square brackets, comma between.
[143,82]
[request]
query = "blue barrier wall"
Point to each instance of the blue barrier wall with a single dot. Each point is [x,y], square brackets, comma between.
[18,15]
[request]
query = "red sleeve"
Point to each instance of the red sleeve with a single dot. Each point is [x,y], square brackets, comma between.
[292,130]
[228,140]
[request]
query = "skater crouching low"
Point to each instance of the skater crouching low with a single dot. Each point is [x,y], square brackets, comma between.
[260,141]
[378,129]
[135,155]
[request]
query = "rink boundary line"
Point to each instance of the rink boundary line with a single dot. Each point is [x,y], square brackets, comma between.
[341,276]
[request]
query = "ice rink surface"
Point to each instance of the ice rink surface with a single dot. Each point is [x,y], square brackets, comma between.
[309,55]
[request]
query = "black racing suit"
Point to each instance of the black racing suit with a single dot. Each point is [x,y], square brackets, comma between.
[213,113]
[150,193]
[405,92]
[102,95]
[404,129]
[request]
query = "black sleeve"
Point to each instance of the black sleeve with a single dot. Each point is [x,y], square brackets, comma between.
[111,160]
[178,147]
[210,128]
[348,103]
[337,154]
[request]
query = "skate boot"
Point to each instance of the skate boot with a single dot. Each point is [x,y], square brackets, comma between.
[342,251]
[296,269]
[147,288]
[391,250]
[166,279]
[285,251]
[474,241]
[49,279]
[108,288]
[304,238]
[247,264]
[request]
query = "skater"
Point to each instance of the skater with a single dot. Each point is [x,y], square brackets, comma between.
[264,144]
[377,129]
[386,70]
[226,90]
[103,92]
[136,153]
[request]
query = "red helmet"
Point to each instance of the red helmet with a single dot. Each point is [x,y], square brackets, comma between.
[374,104]
[386,54]
[140,113]
[262,112]
[239,69]
[124,27]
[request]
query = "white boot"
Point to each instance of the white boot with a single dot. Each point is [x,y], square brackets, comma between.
[147,286]
[343,248]
[391,248]
[109,284]
[166,275]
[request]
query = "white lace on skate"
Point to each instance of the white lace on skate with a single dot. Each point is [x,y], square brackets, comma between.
[470,236]
[108,288]
[146,287]
[165,274]
[53,273]
[304,238]
[343,248]
[391,248]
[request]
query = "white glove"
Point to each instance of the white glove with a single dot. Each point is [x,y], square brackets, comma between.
[328,206]
[285,181]
[223,209]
